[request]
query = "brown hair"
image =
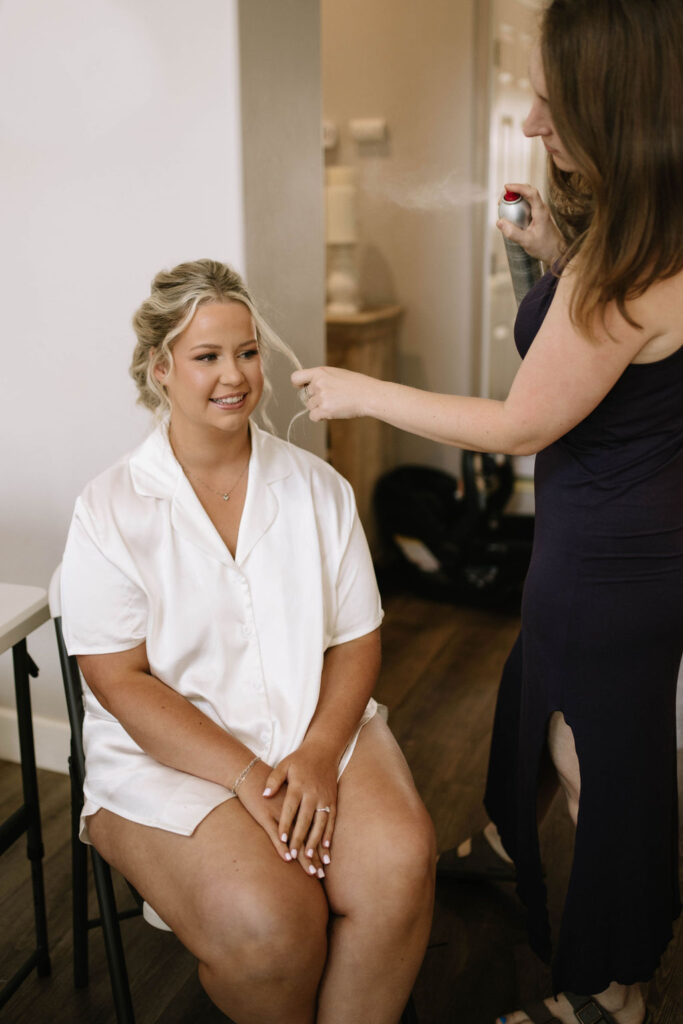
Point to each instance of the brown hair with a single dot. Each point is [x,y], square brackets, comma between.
[174,298]
[614,76]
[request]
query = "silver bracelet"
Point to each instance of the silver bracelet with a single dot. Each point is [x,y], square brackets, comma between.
[243,774]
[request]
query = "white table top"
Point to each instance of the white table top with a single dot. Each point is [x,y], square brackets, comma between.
[22,609]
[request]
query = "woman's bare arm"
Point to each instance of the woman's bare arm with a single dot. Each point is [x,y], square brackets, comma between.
[348,678]
[176,733]
[562,379]
[161,720]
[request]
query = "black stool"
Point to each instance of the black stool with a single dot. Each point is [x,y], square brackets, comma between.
[110,916]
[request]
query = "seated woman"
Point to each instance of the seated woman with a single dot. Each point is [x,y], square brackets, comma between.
[218,591]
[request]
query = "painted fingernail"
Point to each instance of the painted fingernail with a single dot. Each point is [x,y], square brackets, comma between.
[288,856]
[311,870]
[326,858]
[326,842]
[267,792]
[321,873]
[283,837]
[294,853]
[309,853]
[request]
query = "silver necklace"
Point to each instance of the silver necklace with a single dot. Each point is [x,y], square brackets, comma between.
[225,495]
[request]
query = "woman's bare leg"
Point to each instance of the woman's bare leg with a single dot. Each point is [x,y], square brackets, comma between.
[380,886]
[624,1002]
[256,924]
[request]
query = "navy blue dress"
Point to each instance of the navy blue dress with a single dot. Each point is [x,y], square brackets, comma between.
[601,641]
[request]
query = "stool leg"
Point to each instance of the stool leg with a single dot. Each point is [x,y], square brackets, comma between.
[112,940]
[79,883]
[24,666]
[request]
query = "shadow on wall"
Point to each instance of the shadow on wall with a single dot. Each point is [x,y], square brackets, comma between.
[377,276]
[412,370]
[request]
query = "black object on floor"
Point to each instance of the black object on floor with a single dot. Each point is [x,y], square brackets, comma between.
[482,864]
[450,540]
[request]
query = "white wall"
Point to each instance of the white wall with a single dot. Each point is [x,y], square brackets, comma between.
[412,64]
[120,131]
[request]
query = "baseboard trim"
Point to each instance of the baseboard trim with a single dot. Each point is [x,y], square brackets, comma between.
[50,736]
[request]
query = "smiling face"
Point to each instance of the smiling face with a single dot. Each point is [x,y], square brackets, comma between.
[216,379]
[539,122]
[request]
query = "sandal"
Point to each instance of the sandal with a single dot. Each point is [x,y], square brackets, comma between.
[588,1010]
[482,864]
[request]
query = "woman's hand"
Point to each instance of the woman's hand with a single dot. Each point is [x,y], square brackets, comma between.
[542,238]
[333,394]
[310,804]
[267,812]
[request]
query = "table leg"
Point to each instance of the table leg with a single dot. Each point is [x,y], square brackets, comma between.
[24,667]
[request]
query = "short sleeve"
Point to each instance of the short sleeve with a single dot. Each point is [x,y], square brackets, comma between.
[359,607]
[103,611]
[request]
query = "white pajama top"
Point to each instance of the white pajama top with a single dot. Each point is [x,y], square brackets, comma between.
[243,639]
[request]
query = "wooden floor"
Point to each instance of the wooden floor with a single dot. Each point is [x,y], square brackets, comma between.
[441,669]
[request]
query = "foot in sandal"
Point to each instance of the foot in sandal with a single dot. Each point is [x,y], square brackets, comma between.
[619,1004]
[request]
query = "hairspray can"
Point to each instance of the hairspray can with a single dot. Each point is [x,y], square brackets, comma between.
[525,270]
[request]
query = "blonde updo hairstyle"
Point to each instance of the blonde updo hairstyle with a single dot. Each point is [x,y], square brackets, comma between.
[174,298]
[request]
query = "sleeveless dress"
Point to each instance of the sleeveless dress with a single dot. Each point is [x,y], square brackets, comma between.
[601,641]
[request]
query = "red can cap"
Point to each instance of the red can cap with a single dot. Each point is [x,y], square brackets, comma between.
[511,197]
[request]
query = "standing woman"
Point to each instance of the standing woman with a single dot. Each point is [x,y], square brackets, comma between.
[599,397]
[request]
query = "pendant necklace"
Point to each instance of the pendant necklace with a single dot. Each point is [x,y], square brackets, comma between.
[225,495]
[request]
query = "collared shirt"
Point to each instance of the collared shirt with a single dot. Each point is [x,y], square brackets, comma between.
[242,638]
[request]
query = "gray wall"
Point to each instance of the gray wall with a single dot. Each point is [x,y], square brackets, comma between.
[283,179]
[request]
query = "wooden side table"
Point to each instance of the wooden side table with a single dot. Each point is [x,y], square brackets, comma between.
[362,449]
[23,609]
